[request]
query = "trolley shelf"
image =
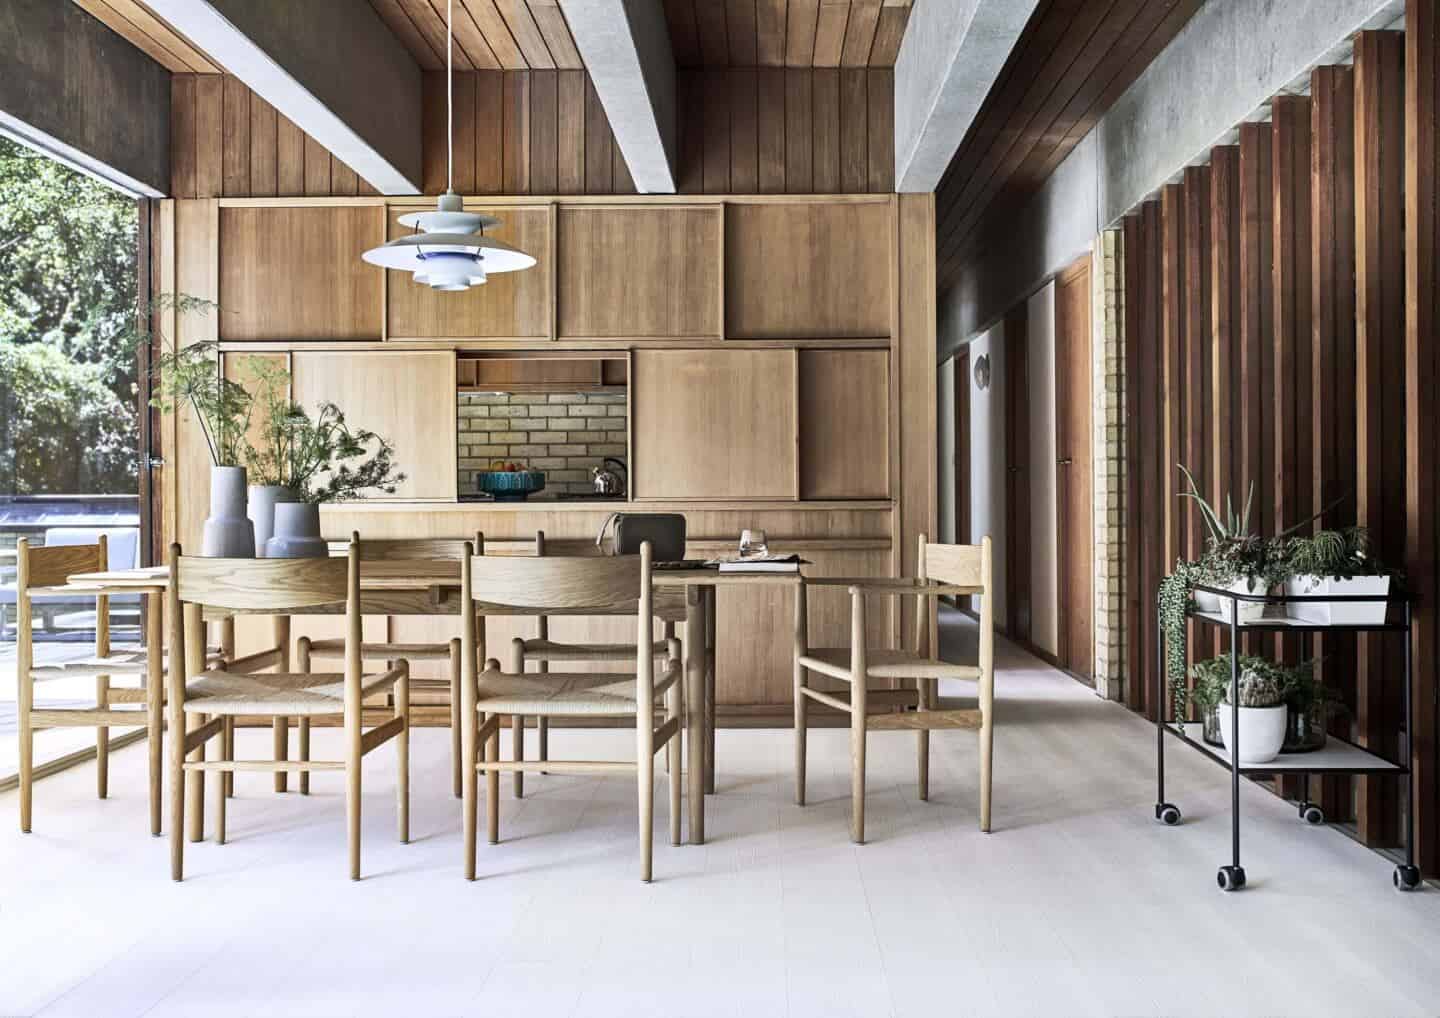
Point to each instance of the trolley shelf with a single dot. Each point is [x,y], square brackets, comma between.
[1336,757]
[1291,625]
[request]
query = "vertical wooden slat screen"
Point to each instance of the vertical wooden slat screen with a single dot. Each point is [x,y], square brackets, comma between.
[1332,366]
[1281,307]
[1422,409]
[1379,391]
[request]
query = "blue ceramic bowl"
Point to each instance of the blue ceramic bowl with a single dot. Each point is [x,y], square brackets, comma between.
[510,485]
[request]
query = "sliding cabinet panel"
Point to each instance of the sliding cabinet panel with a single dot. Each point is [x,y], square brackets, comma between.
[638,272]
[296,273]
[509,305]
[714,424]
[844,423]
[407,398]
[807,270]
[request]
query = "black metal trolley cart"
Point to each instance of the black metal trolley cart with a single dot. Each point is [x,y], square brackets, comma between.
[1338,756]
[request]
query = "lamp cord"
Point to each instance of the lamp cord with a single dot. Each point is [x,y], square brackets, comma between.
[450,95]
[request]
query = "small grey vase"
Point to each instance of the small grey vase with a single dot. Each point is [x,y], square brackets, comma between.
[228,532]
[263,500]
[297,532]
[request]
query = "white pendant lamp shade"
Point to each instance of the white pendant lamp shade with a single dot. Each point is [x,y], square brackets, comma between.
[450,250]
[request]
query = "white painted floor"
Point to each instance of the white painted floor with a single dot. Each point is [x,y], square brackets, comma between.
[1077,904]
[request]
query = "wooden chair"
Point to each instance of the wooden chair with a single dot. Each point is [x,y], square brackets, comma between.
[568,586]
[669,607]
[44,570]
[307,651]
[273,587]
[942,569]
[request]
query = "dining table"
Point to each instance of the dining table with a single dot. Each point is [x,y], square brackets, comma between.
[431,587]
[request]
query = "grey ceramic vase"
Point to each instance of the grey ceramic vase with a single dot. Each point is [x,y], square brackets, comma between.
[297,532]
[262,502]
[228,532]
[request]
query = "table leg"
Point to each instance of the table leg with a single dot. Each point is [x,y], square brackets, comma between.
[694,652]
[154,702]
[709,594]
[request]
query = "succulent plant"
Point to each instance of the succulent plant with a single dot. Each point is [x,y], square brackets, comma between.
[1261,686]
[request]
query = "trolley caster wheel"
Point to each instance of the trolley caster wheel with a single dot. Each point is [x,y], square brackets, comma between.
[1230,878]
[1167,814]
[1406,878]
[1311,813]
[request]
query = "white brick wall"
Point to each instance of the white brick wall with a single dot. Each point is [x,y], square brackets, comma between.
[1108,387]
[563,434]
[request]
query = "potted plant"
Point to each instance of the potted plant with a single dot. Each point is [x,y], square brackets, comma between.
[190,377]
[1260,714]
[320,460]
[1335,562]
[1234,559]
[1210,679]
[1311,705]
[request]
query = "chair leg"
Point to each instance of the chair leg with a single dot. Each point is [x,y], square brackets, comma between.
[517,746]
[987,748]
[227,741]
[102,739]
[645,786]
[353,761]
[281,740]
[857,763]
[178,797]
[922,739]
[402,750]
[195,786]
[226,753]
[469,791]
[802,711]
[27,767]
[155,763]
[304,779]
[674,708]
[492,789]
[542,731]
[455,739]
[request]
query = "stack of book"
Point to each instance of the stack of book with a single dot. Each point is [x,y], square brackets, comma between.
[759,564]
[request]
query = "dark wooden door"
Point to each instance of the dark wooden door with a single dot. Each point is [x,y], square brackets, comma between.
[962,448]
[1016,369]
[1073,478]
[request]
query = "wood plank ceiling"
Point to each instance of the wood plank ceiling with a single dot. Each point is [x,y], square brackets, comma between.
[786,33]
[1074,59]
[137,24]
[490,35]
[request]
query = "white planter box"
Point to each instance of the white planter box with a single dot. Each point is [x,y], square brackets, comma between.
[1250,611]
[1207,602]
[1344,613]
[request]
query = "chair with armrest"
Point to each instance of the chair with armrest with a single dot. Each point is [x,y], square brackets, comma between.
[308,651]
[495,585]
[669,608]
[217,586]
[943,569]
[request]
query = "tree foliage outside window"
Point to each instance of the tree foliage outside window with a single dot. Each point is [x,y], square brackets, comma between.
[68,386]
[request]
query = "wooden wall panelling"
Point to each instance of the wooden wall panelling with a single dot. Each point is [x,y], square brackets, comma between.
[193,252]
[1257,330]
[844,423]
[1018,472]
[807,270]
[1173,390]
[509,305]
[408,397]
[296,273]
[913,346]
[1196,357]
[1332,368]
[209,137]
[684,398]
[1379,393]
[638,271]
[1224,484]
[825,130]
[1422,412]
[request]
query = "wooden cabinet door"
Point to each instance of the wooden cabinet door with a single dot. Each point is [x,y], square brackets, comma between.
[716,424]
[844,424]
[407,397]
[1073,484]
[1017,477]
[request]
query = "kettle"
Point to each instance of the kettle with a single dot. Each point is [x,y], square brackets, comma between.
[608,482]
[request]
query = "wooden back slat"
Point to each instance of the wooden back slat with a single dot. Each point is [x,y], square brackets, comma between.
[560,585]
[262,585]
[960,564]
[669,601]
[51,567]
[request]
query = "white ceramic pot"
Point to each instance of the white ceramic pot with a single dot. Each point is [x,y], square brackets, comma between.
[1355,613]
[1250,611]
[228,532]
[297,532]
[1206,602]
[262,502]
[1262,732]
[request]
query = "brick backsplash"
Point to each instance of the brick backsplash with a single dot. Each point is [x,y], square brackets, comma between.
[561,433]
